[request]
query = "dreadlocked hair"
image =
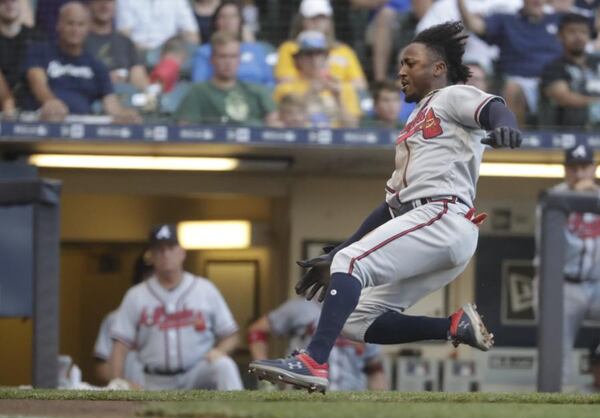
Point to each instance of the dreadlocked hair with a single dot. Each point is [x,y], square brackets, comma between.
[448,41]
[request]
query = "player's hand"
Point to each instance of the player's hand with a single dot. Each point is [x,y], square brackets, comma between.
[503,137]
[316,278]
[214,355]
[54,110]
[127,117]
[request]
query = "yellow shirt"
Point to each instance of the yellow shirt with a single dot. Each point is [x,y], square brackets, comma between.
[323,109]
[343,63]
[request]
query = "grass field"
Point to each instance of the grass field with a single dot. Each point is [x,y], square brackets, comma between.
[253,404]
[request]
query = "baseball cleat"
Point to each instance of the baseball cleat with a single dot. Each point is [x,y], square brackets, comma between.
[299,370]
[466,327]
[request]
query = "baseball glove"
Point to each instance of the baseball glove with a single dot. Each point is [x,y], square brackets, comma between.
[503,137]
[316,278]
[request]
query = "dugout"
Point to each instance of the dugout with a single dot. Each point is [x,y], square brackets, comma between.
[315,197]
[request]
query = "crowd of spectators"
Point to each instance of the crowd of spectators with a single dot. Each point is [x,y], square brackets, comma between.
[208,61]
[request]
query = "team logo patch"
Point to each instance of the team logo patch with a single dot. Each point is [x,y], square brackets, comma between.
[426,122]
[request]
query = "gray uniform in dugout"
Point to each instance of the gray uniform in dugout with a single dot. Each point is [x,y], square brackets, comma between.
[173,330]
[298,318]
[438,154]
[582,275]
[582,259]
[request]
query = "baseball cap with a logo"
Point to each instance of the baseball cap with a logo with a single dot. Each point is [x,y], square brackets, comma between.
[163,234]
[579,154]
[314,8]
[311,41]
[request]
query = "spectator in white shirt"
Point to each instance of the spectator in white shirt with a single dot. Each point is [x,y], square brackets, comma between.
[150,23]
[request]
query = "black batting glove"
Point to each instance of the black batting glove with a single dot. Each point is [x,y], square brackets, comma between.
[503,137]
[316,278]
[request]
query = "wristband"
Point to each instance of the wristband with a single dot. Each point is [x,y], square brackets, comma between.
[257,336]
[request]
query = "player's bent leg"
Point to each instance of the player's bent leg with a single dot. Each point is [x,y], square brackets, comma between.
[309,369]
[379,317]
[226,375]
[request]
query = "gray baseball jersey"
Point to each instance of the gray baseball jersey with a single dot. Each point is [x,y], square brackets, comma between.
[439,151]
[583,244]
[438,154]
[173,330]
[134,371]
[297,319]
[582,262]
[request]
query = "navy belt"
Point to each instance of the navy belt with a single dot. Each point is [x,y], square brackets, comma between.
[412,204]
[574,279]
[163,372]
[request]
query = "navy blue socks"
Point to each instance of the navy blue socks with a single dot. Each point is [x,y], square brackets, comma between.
[342,297]
[396,328]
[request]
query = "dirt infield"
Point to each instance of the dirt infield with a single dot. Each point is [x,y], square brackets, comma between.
[69,408]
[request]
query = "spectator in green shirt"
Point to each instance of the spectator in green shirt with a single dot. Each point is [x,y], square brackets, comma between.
[224,98]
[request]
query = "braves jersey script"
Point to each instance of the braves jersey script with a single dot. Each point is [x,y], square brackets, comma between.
[438,152]
[298,318]
[583,244]
[173,329]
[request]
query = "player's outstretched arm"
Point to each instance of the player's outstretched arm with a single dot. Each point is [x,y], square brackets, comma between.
[317,275]
[258,335]
[501,124]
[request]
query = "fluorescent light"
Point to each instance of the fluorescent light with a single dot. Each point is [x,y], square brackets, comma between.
[123,162]
[522,170]
[214,234]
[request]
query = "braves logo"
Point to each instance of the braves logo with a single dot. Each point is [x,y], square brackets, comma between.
[425,122]
[179,319]
[584,225]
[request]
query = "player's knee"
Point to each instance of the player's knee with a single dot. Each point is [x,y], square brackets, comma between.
[354,329]
[224,364]
[345,262]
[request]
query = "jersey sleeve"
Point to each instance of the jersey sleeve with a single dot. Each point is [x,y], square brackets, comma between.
[225,324]
[463,104]
[103,345]
[494,27]
[125,326]
[35,57]
[288,317]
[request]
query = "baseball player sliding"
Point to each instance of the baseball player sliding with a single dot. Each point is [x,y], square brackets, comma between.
[424,234]
[353,365]
[179,324]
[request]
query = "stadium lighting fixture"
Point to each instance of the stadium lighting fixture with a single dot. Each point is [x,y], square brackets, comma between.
[124,162]
[522,170]
[196,235]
